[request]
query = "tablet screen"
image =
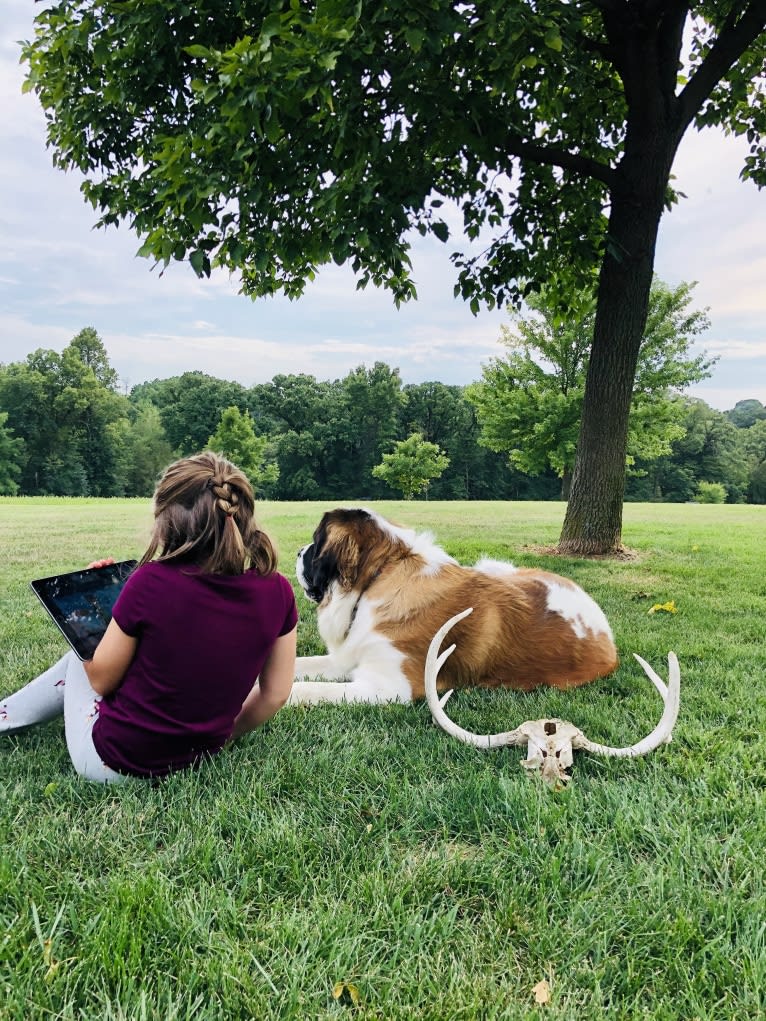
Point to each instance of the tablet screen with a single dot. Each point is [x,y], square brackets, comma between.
[81,602]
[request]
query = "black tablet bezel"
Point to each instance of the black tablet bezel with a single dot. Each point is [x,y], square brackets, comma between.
[58,586]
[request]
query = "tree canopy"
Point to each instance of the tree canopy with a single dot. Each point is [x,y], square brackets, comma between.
[188,403]
[530,401]
[66,409]
[236,439]
[11,458]
[271,137]
[411,465]
[746,413]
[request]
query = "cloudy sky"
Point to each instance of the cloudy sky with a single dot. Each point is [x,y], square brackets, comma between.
[58,275]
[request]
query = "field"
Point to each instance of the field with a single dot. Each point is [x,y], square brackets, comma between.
[357,862]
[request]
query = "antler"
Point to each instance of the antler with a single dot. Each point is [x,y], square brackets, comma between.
[550,739]
[663,732]
[434,664]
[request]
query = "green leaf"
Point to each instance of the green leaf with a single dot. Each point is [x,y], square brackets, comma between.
[552,40]
[272,129]
[415,38]
[202,52]
[146,250]
[101,53]
[197,260]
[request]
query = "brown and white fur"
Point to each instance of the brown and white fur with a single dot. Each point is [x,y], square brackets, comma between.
[383,591]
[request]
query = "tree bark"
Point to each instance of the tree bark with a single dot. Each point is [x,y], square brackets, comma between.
[593,521]
[645,44]
[566,485]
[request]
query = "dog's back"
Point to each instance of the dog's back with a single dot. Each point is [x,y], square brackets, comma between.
[528,627]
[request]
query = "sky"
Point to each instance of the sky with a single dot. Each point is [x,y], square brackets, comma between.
[59,275]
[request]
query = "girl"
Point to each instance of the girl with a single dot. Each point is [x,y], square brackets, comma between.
[201,618]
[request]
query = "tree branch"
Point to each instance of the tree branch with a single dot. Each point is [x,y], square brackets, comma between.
[733,39]
[654,7]
[603,49]
[611,6]
[553,157]
[669,42]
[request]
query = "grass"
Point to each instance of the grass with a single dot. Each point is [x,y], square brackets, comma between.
[361,845]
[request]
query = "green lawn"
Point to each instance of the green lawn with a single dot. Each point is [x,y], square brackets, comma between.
[362,845]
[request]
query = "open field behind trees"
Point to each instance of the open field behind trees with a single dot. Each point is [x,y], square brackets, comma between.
[362,845]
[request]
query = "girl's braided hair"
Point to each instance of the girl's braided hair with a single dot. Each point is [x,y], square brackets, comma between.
[204,514]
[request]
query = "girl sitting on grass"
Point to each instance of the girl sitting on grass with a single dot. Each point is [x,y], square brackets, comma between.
[200,648]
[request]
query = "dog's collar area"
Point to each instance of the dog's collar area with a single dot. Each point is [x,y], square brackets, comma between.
[355,607]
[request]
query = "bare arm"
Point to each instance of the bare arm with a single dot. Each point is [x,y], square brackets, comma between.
[111,659]
[273,687]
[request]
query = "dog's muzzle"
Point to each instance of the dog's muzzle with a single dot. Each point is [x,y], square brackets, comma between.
[303,569]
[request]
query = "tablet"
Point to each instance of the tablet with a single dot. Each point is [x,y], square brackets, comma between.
[81,602]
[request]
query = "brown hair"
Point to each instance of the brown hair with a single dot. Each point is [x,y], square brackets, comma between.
[204,514]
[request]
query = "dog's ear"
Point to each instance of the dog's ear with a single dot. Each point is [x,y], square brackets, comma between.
[347,557]
[332,556]
[338,558]
[321,574]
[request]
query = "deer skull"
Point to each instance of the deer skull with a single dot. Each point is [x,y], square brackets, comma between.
[550,743]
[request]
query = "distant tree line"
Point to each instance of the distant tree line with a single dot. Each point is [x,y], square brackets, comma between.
[66,429]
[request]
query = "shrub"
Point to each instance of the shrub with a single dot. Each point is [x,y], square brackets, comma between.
[710,492]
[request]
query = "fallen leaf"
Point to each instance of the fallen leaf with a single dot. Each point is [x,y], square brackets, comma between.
[542,992]
[669,607]
[346,994]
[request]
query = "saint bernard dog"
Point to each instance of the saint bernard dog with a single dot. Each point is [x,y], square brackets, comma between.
[383,592]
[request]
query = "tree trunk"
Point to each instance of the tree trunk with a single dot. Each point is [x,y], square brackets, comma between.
[566,485]
[593,521]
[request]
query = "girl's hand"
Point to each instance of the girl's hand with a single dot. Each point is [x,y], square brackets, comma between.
[104,562]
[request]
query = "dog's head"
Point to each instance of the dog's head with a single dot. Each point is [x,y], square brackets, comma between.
[350,546]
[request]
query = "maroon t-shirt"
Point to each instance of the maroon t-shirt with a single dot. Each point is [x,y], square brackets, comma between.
[202,642]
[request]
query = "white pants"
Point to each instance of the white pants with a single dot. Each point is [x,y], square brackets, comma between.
[63,689]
